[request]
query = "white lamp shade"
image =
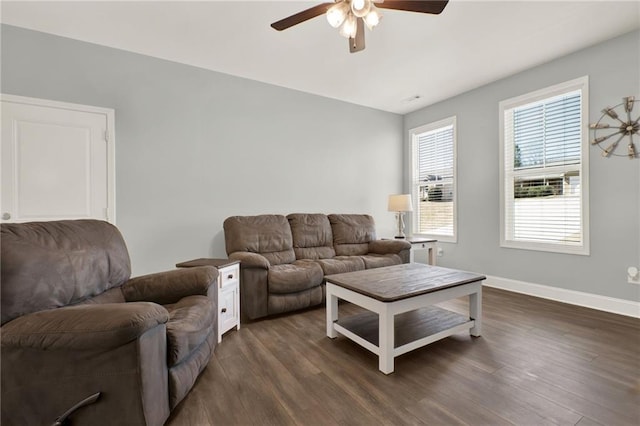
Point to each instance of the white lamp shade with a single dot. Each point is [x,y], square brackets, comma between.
[337,14]
[360,7]
[373,18]
[400,203]
[349,27]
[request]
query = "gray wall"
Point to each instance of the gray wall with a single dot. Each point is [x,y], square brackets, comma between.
[613,68]
[195,146]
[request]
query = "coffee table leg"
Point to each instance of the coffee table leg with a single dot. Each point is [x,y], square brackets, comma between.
[475,311]
[386,341]
[332,313]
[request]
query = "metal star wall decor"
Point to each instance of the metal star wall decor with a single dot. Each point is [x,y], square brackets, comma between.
[620,128]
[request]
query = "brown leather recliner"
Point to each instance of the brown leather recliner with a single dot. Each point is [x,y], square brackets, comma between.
[284,259]
[74,324]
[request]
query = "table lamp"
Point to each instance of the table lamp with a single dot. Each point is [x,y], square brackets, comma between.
[400,204]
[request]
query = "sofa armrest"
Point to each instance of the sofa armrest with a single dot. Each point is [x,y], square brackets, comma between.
[171,286]
[250,260]
[102,326]
[388,246]
[254,283]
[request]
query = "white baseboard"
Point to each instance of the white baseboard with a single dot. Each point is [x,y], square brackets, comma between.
[594,301]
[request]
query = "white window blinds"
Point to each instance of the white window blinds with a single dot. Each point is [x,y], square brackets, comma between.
[544,184]
[434,179]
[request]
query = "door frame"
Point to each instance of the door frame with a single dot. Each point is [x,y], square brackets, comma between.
[110,137]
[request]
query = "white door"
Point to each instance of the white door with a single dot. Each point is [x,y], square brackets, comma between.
[57,161]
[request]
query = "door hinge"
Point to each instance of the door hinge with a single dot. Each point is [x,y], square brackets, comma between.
[106,136]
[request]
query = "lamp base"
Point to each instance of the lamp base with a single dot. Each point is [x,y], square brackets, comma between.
[400,217]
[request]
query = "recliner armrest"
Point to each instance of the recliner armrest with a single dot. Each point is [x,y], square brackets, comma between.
[101,326]
[171,286]
[388,246]
[250,260]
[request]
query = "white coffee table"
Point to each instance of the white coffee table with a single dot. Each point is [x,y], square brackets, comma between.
[391,293]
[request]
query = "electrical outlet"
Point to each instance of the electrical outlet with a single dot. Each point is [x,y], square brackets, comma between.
[633,275]
[440,252]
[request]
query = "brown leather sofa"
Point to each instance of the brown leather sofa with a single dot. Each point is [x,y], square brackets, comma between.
[74,324]
[284,259]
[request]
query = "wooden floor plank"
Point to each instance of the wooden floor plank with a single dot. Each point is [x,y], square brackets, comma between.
[586,421]
[219,405]
[433,413]
[577,403]
[537,362]
[255,393]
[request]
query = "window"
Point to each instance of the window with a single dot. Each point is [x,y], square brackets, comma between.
[434,179]
[544,169]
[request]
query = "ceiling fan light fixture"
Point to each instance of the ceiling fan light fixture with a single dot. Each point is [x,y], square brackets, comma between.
[360,7]
[337,13]
[373,18]
[349,27]
[351,16]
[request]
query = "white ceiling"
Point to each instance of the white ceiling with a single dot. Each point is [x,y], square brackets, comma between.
[409,54]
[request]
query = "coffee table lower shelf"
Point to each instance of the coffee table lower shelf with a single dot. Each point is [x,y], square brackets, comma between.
[412,329]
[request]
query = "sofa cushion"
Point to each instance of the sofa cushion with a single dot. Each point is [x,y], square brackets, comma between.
[52,264]
[279,303]
[351,249]
[379,260]
[312,236]
[83,327]
[183,376]
[294,277]
[352,233]
[268,235]
[341,264]
[190,321]
[113,295]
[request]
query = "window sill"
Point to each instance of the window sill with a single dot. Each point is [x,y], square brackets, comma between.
[550,248]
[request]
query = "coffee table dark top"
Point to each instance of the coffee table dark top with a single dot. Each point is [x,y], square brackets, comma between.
[398,282]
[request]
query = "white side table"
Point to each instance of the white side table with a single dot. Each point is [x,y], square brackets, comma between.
[228,297]
[228,291]
[419,244]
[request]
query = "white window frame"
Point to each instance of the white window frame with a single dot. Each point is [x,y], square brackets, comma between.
[413,133]
[581,84]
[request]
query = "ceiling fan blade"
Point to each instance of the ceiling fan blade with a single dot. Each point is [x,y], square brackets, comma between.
[357,44]
[299,17]
[421,6]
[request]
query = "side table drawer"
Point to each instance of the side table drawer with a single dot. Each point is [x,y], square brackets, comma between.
[228,298]
[229,275]
[228,315]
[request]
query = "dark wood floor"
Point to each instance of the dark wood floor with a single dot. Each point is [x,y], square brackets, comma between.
[538,362]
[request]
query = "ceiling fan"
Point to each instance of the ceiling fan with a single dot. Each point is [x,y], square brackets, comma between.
[352,15]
